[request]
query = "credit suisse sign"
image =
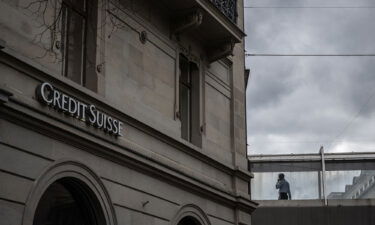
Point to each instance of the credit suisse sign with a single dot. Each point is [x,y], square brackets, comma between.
[49,95]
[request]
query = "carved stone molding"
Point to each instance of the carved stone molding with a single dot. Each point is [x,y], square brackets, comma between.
[188,21]
[2,44]
[187,52]
[192,211]
[220,50]
[4,95]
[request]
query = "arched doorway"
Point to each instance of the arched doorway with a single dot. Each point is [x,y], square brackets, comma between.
[68,201]
[69,193]
[189,221]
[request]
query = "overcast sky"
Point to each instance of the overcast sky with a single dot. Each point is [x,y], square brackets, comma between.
[297,104]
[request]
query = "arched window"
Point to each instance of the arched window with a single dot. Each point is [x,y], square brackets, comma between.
[68,201]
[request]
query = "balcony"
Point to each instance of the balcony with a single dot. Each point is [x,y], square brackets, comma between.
[210,22]
[227,7]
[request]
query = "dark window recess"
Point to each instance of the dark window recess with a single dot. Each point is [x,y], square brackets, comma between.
[79,26]
[66,202]
[189,221]
[189,101]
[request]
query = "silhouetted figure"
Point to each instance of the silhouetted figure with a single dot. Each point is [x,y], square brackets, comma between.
[283,186]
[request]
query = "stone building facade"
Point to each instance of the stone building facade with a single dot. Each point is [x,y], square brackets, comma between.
[362,187]
[123,112]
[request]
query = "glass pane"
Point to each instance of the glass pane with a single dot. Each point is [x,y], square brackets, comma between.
[354,184]
[184,71]
[78,5]
[303,185]
[74,46]
[185,112]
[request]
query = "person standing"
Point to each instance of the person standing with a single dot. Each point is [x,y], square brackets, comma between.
[284,189]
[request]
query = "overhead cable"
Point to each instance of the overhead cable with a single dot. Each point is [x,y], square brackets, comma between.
[350,122]
[310,55]
[309,7]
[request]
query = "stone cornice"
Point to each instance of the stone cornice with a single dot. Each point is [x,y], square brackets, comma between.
[5,94]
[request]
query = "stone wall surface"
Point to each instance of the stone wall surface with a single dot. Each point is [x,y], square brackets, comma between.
[150,173]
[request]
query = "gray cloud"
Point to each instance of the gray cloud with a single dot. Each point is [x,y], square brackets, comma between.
[296,104]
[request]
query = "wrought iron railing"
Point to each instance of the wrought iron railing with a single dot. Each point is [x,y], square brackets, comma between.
[227,7]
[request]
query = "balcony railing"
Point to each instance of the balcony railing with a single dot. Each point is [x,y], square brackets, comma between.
[227,7]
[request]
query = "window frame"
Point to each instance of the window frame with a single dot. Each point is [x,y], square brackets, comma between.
[88,14]
[191,126]
[185,83]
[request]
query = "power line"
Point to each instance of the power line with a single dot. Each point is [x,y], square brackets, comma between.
[353,118]
[310,142]
[309,7]
[309,55]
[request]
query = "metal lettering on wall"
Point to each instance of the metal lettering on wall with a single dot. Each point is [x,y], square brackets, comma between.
[52,97]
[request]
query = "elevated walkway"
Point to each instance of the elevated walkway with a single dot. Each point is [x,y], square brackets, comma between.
[327,189]
[315,212]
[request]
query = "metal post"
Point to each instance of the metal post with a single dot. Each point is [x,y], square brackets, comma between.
[323,175]
[320,184]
